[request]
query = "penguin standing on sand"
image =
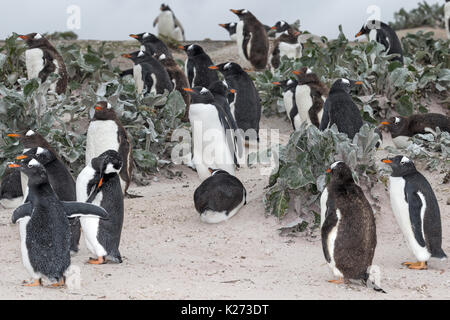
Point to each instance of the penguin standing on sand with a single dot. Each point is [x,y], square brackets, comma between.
[347,227]
[417,211]
[168,24]
[219,197]
[106,132]
[210,144]
[149,74]
[99,184]
[11,195]
[252,40]
[247,104]
[287,44]
[340,109]
[152,44]
[290,105]
[197,65]
[44,227]
[382,33]
[42,59]
[403,128]
[231,28]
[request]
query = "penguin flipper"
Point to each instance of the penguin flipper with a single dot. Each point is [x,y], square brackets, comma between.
[325,116]
[156,21]
[415,207]
[81,209]
[190,72]
[126,73]
[178,25]
[247,38]
[331,220]
[23,211]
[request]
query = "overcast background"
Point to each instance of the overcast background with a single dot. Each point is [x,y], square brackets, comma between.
[115,19]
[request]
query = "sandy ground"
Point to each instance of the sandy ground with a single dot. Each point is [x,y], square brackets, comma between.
[169,254]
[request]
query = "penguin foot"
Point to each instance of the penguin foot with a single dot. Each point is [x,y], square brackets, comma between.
[132,196]
[100,260]
[60,284]
[339,281]
[35,283]
[416,265]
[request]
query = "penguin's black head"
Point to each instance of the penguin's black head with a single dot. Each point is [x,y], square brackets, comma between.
[340,173]
[165,7]
[305,75]
[137,56]
[34,39]
[367,27]
[228,68]
[109,162]
[104,111]
[397,126]
[345,85]
[34,170]
[242,13]
[144,37]
[286,85]
[401,166]
[42,155]
[281,26]
[230,27]
[192,50]
[215,172]
[219,87]
[31,139]
[200,95]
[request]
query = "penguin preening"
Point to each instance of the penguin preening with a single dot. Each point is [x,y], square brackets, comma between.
[152,44]
[287,44]
[42,59]
[44,227]
[106,132]
[247,104]
[99,184]
[219,197]
[252,40]
[402,128]
[348,227]
[168,24]
[196,67]
[210,144]
[231,28]
[149,74]
[382,33]
[290,105]
[11,195]
[417,211]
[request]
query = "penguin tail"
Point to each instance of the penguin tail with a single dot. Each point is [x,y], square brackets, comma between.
[439,254]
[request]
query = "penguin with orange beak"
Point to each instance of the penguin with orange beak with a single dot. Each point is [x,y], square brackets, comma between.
[287,44]
[196,67]
[231,28]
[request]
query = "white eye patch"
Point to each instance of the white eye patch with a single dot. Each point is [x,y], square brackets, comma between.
[290,82]
[283,23]
[405,160]
[204,90]
[225,83]
[245,11]
[40,150]
[191,47]
[110,169]
[33,163]
[37,36]
[162,57]
[397,120]
[142,48]
[308,71]
[141,53]
[227,66]
[334,165]
[232,24]
[109,106]
[345,81]
[145,35]
[30,133]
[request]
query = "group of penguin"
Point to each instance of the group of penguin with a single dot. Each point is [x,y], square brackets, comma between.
[224,117]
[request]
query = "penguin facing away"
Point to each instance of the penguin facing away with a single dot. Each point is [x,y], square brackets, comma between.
[402,128]
[382,33]
[99,184]
[106,132]
[168,24]
[347,227]
[288,87]
[196,67]
[287,44]
[42,59]
[219,197]
[416,210]
[231,28]
[252,40]
[44,227]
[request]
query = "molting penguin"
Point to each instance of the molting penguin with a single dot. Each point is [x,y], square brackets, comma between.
[382,33]
[149,74]
[197,65]
[44,227]
[42,59]
[210,144]
[11,195]
[417,211]
[219,197]
[287,44]
[347,227]
[168,24]
[288,87]
[247,105]
[252,40]
[99,184]
[152,44]
[402,128]
[340,109]
[231,28]
[106,132]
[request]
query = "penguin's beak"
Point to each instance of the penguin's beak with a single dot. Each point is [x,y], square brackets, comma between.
[23,37]
[387,161]
[134,36]
[14,165]
[14,135]
[188,90]
[358,83]
[210,170]
[297,33]
[126,55]
[213,67]
[21,157]
[232,91]
[181,47]
[235,11]
[328,171]
[297,72]
[277,83]
[385,123]
[222,25]
[98,107]
[273,28]
[358,34]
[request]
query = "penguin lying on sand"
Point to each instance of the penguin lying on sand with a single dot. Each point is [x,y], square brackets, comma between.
[44,227]
[417,211]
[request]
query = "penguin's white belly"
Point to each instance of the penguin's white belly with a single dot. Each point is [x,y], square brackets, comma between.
[233,37]
[292,51]
[214,217]
[24,250]
[240,39]
[210,145]
[34,61]
[331,244]
[401,142]
[401,211]
[177,34]
[304,102]
[102,136]
[249,46]
[323,206]
[137,75]
[288,102]
[166,24]
[153,89]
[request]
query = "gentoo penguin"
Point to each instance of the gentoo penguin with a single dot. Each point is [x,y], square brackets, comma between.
[152,44]
[252,41]
[402,128]
[287,44]
[310,95]
[11,195]
[347,227]
[42,59]
[149,74]
[247,104]
[447,17]
[178,78]
[417,211]
[231,28]
[168,24]
[219,197]
[340,109]
[290,105]
[61,182]
[210,144]
[197,65]
[44,227]
[99,184]
[106,132]
[382,33]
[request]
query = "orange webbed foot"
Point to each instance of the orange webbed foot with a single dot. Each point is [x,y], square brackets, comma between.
[99,260]
[35,283]
[416,265]
[339,281]
[60,284]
